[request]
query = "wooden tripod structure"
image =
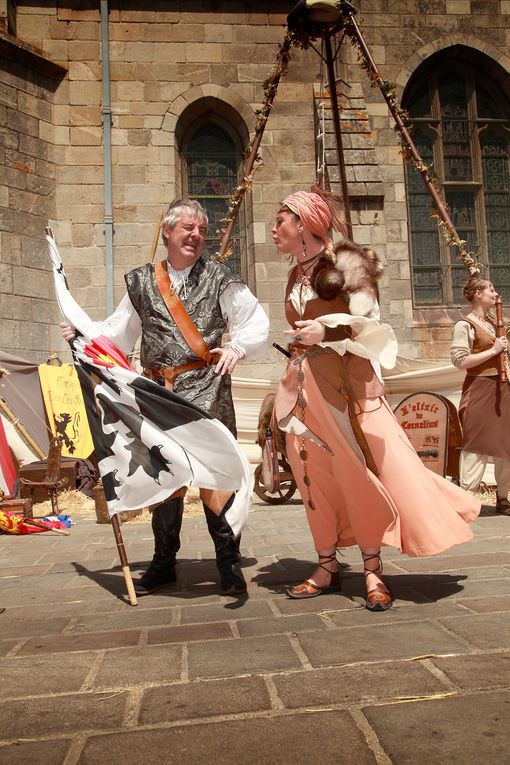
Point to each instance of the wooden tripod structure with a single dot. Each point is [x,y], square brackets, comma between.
[304,27]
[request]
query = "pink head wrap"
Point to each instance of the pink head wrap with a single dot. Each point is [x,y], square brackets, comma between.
[312,209]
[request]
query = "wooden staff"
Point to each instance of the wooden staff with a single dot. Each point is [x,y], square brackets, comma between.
[500,328]
[375,76]
[255,145]
[155,238]
[31,522]
[123,560]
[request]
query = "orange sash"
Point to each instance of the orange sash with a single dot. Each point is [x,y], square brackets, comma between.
[177,311]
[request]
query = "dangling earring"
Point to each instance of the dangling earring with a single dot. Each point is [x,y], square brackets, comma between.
[304,246]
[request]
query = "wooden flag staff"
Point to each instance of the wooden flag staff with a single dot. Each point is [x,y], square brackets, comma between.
[119,541]
[115,523]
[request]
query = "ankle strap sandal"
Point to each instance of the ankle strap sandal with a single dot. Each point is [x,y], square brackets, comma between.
[377,599]
[308,588]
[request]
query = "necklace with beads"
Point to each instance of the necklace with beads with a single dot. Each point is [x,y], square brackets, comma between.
[304,270]
[485,323]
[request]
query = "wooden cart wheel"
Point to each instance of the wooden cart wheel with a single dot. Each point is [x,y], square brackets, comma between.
[286,489]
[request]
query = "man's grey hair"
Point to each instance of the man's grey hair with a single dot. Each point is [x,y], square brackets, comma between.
[174,212]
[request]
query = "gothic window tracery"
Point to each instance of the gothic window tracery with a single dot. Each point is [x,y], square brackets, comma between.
[211,172]
[461,125]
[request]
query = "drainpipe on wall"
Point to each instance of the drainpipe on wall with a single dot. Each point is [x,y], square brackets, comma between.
[107,156]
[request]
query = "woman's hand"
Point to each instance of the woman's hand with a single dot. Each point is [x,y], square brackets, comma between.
[227,361]
[308,332]
[499,345]
[68,331]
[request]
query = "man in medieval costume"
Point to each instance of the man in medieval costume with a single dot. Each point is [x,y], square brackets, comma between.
[181,307]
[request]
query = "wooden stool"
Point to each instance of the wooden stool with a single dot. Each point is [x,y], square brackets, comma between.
[52,481]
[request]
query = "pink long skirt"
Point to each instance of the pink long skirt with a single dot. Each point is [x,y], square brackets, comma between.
[407,506]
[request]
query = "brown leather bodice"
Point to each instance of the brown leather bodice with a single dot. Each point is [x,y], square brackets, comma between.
[338,377]
[483,342]
[317,307]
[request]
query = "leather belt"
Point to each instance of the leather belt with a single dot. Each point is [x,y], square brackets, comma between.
[170,373]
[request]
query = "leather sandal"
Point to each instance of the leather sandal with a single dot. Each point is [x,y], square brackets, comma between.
[308,588]
[377,600]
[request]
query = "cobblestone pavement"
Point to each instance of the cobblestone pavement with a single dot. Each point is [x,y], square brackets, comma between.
[190,676]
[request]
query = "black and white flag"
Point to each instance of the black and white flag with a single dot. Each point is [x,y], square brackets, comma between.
[149,442]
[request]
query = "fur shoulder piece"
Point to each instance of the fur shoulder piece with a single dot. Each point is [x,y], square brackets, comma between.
[355,271]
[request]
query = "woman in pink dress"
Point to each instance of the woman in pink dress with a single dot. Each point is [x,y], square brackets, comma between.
[361,481]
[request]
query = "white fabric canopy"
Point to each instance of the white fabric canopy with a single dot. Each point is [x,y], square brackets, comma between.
[408,376]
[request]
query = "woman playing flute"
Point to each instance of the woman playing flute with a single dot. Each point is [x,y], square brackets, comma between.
[484,408]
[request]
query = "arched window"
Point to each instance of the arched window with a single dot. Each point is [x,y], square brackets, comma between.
[212,165]
[460,123]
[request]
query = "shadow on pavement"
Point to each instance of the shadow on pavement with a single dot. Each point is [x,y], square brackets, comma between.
[417,588]
[196,579]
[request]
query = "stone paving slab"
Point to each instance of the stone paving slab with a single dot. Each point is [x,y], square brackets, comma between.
[191,673]
[6,647]
[126,667]
[122,620]
[16,570]
[51,752]
[190,633]
[172,703]
[488,604]
[92,640]
[453,562]
[477,671]
[330,602]
[181,595]
[305,738]
[362,684]
[280,625]
[43,675]
[73,608]
[483,631]
[468,730]
[235,609]
[384,641]
[467,588]
[45,715]
[400,612]
[29,627]
[272,653]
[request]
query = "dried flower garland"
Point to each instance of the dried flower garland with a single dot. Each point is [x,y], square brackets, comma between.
[302,38]
[410,153]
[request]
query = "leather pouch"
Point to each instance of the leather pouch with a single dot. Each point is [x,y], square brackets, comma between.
[270,465]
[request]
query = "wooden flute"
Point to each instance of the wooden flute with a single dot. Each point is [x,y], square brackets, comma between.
[500,329]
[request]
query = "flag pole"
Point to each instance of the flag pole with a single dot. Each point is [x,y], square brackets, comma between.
[123,560]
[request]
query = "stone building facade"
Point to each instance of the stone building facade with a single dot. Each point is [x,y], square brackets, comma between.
[180,94]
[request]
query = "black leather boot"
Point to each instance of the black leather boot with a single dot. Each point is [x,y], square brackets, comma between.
[228,557]
[166,526]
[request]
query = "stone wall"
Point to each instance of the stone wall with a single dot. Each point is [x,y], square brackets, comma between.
[27,201]
[165,60]
[401,36]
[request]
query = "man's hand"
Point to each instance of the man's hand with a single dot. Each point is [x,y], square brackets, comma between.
[308,332]
[227,362]
[68,331]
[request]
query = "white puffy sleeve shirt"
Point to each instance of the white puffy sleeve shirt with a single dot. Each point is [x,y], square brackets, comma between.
[247,322]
